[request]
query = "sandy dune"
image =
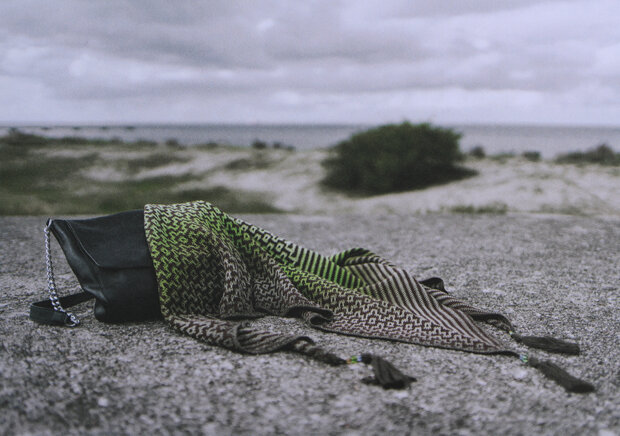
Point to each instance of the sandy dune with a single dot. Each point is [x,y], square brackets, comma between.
[291,181]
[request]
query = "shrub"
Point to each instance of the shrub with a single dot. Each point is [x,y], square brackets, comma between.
[281,146]
[395,157]
[603,155]
[256,162]
[16,138]
[502,157]
[172,142]
[532,156]
[478,152]
[259,145]
[154,160]
[70,140]
[140,142]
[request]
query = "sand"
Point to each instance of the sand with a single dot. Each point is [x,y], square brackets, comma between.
[291,182]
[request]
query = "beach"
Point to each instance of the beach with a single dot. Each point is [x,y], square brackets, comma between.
[510,184]
[105,178]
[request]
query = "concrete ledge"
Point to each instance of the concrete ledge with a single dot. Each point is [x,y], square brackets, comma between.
[554,275]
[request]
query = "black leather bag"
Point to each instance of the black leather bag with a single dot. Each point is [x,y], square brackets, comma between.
[109,256]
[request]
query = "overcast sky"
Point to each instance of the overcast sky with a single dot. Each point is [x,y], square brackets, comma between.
[444,61]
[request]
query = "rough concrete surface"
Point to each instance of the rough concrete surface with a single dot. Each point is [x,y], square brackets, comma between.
[556,275]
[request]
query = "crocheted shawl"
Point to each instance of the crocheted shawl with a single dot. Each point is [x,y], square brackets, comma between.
[213,269]
[216,272]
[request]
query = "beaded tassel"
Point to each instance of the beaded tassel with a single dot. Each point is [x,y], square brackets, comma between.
[355,359]
[557,374]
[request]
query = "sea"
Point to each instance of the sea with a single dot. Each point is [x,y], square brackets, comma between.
[549,141]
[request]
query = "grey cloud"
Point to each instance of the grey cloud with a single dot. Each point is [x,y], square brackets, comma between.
[448,8]
[124,49]
[198,33]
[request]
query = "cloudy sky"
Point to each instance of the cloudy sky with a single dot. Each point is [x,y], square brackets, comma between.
[360,61]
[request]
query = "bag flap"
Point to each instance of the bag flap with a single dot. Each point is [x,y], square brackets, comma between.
[113,241]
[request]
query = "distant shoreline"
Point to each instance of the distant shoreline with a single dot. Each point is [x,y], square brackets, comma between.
[495,139]
[20,124]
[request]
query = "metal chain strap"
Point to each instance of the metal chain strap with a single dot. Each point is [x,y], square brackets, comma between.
[51,283]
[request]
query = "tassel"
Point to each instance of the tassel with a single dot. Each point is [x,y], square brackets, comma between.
[386,374]
[557,374]
[303,346]
[547,343]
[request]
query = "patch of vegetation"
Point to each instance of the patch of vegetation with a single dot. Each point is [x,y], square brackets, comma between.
[230,200]
[502,157]
[395,157]
[280,146]
[144,143]
[163,190]
[17,138]
[154,160]
[256,162]
[478,152]
[173,142]
[207,146]
[532,156]
[111,197]
[259,145]
[134,194]
[602,155]
[564,210]
[22,170]
[35,180]
[493,208]
[276,145]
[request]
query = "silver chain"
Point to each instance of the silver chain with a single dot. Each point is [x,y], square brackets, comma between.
[51,283]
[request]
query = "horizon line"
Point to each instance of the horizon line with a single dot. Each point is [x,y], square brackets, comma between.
[25,124]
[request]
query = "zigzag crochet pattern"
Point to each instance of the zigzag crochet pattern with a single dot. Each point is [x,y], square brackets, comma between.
[216,272]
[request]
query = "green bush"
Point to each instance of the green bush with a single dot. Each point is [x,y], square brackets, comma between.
[259,145]
[16,138]
[395,157]
[173,142]
[602,155]
[478,152]
[532,156]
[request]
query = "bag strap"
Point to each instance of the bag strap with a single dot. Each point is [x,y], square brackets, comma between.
[44,312]
[52,311]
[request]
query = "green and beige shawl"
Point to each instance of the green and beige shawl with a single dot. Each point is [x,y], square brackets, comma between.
[216,273]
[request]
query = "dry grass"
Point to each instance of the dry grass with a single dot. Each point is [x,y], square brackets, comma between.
[38,178]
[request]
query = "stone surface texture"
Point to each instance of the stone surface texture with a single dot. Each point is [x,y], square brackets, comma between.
[550,274]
